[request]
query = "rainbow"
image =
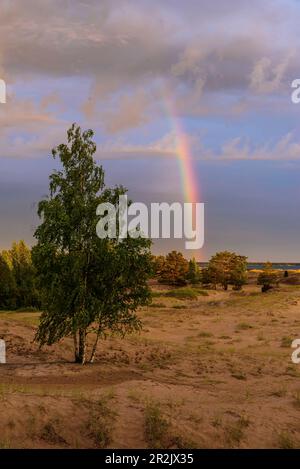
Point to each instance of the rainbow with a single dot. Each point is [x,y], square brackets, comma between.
[183,153]
[190,187]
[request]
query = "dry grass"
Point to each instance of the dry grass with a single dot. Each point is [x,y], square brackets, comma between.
[206,371]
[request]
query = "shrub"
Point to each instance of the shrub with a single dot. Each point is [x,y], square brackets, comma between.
[267,278]
[174,270]
[226,268]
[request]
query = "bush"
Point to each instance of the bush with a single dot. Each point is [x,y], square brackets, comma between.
[174,270]
[267,278]
[226,268]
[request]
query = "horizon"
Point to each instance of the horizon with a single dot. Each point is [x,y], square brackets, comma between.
[249,261]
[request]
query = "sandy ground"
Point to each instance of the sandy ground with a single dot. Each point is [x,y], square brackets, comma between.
[211,372]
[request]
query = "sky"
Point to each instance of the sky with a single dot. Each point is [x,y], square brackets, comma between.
[144,75]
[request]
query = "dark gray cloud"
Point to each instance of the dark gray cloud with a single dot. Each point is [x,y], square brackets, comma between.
[129,43]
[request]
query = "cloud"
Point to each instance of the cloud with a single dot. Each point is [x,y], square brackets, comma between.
[25,114]
[165,147]
[216,61]
[120,46]
[130,112]
[286,149]
[267,77]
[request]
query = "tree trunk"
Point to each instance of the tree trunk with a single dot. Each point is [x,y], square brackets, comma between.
[76,354]
[92,358]
[82,347]
[93,352]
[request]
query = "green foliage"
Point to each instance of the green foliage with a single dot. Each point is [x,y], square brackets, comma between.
[193,274]
[88,284]
[7,286]
[268,277]
[24,275]
[226,268]
[208,277]
[17,278]
[158,265]
[174,269]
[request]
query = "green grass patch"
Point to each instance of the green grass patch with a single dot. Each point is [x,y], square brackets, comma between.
[182,293]
[200,291]
[185,293]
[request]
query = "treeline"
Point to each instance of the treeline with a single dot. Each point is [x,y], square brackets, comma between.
[17,278]
[19,281]
[224,269]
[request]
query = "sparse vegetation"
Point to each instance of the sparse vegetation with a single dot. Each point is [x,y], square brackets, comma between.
[235,432]
[286,441]
[156,426]
[186,365]
[101,421]
[243,326]
[297,400]
[51,435]
[286,341]
[204,334]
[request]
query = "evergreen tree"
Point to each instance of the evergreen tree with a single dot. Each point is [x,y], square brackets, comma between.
[193,274]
